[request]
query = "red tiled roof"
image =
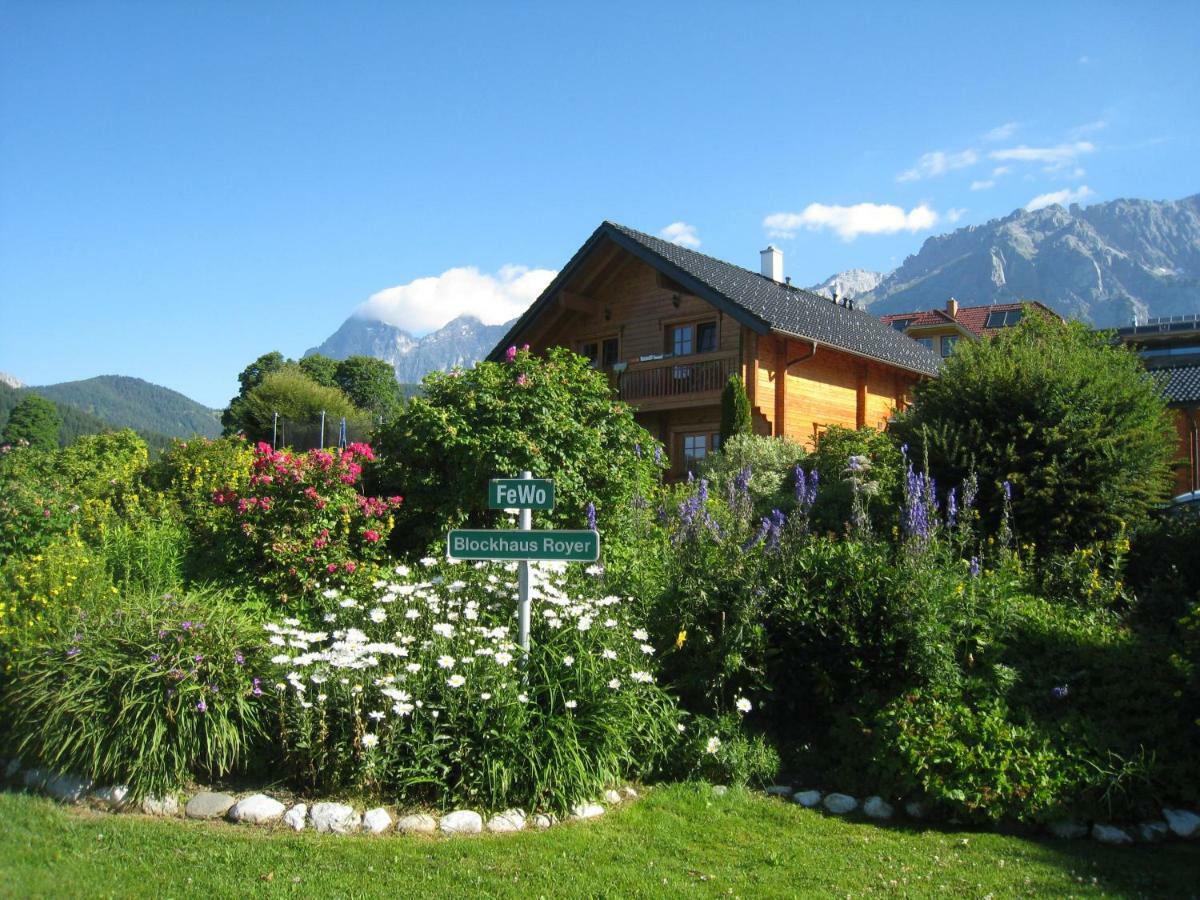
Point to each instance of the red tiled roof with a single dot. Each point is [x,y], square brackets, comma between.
[972,318]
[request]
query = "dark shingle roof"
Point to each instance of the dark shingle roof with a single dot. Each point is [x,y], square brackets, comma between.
[1180,384]
[792,310]
[753,299]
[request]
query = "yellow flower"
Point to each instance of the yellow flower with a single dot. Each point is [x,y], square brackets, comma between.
[679,640]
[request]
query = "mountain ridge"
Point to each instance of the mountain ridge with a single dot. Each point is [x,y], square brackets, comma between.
[462,341]
[123,401]
[1105,264]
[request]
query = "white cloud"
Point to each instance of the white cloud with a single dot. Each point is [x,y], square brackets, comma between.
[682,234]
[1060,153]
[983,185]
[955,213]
[1001,170]
[1001,132]
[1062,198]
[851,221]
[938,163]
[425,304]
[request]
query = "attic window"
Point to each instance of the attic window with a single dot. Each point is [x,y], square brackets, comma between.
[1004,318]
[901,324]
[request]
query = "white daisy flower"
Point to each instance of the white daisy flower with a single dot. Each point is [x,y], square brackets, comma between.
[446,662]
[608,654]
[570,704]
[743,705]
[713,745]
[503,658]
[647,649]
[378,615]
[615,684]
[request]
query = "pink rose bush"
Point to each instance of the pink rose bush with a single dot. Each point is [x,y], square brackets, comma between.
[300,525]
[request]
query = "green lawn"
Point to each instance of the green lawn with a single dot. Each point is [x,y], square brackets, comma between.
[676,841]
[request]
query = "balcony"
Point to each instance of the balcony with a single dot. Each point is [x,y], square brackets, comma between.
[676,381]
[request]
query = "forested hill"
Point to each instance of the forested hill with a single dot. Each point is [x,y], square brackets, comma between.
[75,422]
[125,402]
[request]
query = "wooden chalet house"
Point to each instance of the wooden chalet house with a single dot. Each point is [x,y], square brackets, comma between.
[670,326]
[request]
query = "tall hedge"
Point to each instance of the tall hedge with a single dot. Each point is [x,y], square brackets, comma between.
[1069,419]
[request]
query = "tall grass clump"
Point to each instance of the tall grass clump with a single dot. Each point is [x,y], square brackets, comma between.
[139,689]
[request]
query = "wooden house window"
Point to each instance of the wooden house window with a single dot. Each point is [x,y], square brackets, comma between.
[693,337]
[603,353]
[948,342]
[695,448]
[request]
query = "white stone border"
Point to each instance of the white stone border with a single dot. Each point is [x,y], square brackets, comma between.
[1180,823]
[322,816]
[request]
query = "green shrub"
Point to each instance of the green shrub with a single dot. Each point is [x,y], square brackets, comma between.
[735,410]
[971,760]
[137,689]
[879,487]
[1164,566]
[1066,417]
[771,462]
[719,750]
[43,494]
[419,692]
[35,420]
[554,416]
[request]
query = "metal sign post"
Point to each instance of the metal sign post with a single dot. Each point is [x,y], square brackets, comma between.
[526,524]
[523,545]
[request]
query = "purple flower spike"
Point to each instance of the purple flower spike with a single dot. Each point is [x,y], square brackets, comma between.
[591,516]
[202,706]
[1060,692]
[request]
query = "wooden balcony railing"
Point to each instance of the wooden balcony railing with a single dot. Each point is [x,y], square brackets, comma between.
[680,377]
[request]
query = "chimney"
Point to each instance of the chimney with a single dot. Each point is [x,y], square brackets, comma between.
[772,263]
[952,308]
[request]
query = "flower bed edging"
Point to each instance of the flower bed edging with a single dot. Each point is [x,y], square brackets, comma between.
[323,817]
[1179,823]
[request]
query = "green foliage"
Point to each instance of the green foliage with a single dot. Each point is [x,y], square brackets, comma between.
[425,697]
[320,369]
[1066,416]
[554,416]
[42,494]
[35,421]
[142,690]
[235,418]
[735,410]
[719,750]
[371,385]
[878,486]
[771,461]
[1164,567]
[295,397]
[972,760]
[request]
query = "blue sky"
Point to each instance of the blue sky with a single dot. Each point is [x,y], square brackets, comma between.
[184,186]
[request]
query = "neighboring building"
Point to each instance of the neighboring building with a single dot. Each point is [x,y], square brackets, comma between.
[670,326]
[940,329]
[1170,348]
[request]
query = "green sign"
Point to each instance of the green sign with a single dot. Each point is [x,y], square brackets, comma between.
[520,493]
[567,545]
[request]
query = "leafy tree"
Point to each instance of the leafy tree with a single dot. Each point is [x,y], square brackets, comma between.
[735,410]
[36,420]
[370,384]
[321,369]
[295,397]
[236,418]
[1068,419]
[554,416]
